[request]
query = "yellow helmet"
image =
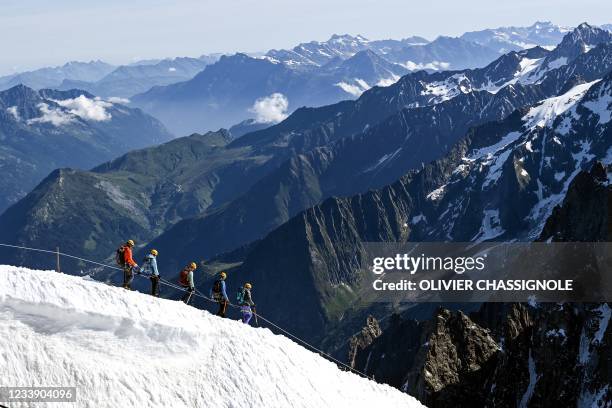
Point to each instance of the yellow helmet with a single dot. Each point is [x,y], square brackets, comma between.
[130,243]
[248,285]
[223,275]
[154,252]
[193,265]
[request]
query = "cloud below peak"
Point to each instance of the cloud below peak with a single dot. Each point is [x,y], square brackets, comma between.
[86,108]
[50,115]
[271,108]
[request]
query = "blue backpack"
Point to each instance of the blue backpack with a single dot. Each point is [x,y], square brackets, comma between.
[240,296]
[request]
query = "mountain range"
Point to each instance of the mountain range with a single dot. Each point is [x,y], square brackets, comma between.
[358,157]
[51,77]
[240,86]
[313,154]
[128,80]
[312,74]
[188,99]
[46,129]
[504,39]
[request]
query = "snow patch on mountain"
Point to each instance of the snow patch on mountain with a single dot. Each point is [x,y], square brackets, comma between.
[602,104]
[128,349]
[524,75]
[559,62]
[437,194]
[604,319]
[490,228]
[533,379]
[449,88]
[549,109]
[540,163]
[489,151]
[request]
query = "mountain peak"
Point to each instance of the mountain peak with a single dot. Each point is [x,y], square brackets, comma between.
[347,37]
[580,40]
[17,94]
[589,34]
[365,54]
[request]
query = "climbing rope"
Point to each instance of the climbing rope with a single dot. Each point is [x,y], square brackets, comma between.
[196,293]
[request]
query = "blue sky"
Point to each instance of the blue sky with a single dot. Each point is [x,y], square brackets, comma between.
[42,32]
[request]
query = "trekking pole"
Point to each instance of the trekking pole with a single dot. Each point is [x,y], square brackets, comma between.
[255,314]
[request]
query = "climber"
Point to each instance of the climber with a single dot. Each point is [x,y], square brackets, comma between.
[219,294]
[149,266]
[186,281]
[245,300]
[125,260]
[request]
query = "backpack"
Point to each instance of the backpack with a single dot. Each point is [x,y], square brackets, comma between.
[240,296]
[217,286]
[146,264]
[119,257]
[184,277]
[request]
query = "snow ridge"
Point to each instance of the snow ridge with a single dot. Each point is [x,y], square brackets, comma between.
[132,350]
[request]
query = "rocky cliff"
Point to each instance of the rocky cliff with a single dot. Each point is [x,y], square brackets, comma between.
[506,355]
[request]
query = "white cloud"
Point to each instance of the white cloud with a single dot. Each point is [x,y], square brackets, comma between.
[117,99]
[356,89]
[171,69]
[351,89]
[270,109]
[83,107]
[388,81]
[433,65]
[88,109]
[50,115]
[13,111]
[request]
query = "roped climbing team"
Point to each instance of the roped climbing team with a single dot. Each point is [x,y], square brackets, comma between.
[218,292]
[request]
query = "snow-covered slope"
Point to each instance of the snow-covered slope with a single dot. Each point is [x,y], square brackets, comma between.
[123,349]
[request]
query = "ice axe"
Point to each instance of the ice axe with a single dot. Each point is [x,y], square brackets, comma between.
[255,315]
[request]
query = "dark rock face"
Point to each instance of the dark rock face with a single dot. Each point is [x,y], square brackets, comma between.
[537,355]
[504,355]
[456,359]
[362,340]
[585,212]
[443,362]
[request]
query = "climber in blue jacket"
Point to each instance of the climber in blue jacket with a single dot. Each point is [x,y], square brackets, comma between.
[219,294]
[149,267]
